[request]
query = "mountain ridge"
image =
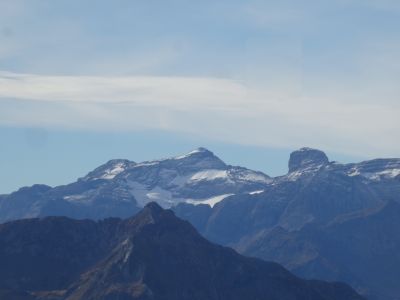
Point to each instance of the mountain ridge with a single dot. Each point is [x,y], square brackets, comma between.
[198,177]
[134,259]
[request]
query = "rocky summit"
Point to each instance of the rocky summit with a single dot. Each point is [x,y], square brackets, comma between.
[305,158]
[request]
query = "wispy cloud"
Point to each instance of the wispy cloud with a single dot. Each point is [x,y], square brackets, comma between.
[222,109]
[293,73]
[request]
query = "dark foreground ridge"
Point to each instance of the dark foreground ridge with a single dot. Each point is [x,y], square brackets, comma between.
[153,255]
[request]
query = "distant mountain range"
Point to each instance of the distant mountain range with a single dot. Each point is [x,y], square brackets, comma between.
[121,187]
[153,255]
[322,220]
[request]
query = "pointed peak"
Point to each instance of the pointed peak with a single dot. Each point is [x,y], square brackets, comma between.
[306,157]
[151,213]
[199,158]
[153,207]
[201,149]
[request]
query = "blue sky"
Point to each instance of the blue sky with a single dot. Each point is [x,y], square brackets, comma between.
[251,80]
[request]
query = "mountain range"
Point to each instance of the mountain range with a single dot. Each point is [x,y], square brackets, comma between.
[323,219]
[121,187]
[153,255]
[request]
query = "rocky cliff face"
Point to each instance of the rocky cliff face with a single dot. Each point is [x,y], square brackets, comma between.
[306,158]
[153,255]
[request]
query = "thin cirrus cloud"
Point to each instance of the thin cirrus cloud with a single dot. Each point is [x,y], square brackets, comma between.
[224,109]
[266,73]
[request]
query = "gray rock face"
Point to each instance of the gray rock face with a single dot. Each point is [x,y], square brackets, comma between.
[153,255]
[305,158]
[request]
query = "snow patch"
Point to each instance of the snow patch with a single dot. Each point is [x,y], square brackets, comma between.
[390,173]
[147,163]
[111,173]
[354,172]
[206,175]
[209,175]
[257,192]
[166,199]
[253,177]
[210,201]
[76,198]
[376,176]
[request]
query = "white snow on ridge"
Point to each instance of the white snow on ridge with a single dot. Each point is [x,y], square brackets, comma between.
[353,172]
[253,176]
[82,199]
[206,175]
[165,198]
[209,175]
[257,192]
[111,173]
[187,154]
[146,164]
[158,161]
[210,201]
[388,173]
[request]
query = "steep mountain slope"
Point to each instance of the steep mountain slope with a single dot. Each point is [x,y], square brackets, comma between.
[153,255]
[361,249]
[121,187]
[295,221]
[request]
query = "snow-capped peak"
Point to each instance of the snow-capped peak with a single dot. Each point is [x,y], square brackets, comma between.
[199,150]
[193,157]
